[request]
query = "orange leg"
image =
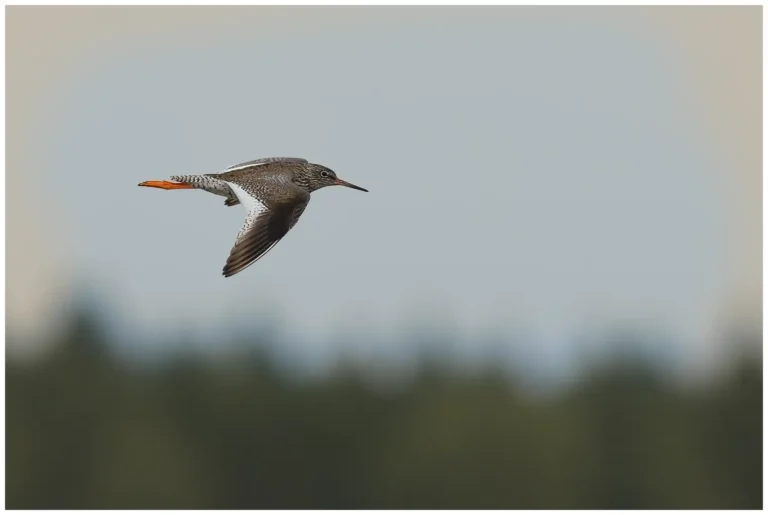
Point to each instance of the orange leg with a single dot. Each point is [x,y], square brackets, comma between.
[167,185]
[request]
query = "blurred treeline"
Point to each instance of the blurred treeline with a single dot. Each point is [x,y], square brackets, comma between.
[86,429]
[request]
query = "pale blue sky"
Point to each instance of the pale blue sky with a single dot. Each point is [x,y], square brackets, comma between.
[527,172]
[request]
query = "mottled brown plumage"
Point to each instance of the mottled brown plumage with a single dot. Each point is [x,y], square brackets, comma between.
[274,191]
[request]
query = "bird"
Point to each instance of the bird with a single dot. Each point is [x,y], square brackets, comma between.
[275,192]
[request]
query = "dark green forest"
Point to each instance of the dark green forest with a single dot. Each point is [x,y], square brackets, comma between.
[88,429]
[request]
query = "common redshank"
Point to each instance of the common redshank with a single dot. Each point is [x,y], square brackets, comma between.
[274,191]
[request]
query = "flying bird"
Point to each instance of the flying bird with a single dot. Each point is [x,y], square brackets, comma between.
[274,191]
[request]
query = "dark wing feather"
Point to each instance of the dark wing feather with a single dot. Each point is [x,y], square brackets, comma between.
[263,233]
[265,160]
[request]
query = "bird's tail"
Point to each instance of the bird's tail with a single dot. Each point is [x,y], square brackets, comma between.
[208,183]
[180,182]
[167,185]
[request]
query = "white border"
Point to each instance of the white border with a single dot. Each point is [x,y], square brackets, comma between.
[377,2]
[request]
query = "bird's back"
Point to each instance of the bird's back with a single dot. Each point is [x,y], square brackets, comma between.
[269,182]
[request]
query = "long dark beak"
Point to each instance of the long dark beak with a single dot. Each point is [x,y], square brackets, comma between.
[349,185]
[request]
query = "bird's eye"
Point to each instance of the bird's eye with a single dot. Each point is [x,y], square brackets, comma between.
[324,174]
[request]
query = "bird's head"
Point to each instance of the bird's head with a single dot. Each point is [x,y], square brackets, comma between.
[315,177]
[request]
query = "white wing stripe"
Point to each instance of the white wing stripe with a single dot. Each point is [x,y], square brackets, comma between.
[251,204]
[264,161]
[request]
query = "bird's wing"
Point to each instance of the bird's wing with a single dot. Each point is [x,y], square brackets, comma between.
[264,226]
[264,161]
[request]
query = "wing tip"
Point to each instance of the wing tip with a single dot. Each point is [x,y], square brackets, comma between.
[229,271]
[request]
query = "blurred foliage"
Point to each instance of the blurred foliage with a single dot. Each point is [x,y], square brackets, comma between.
[87,430]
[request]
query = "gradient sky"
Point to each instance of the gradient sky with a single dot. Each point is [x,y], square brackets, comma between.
[550,171]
